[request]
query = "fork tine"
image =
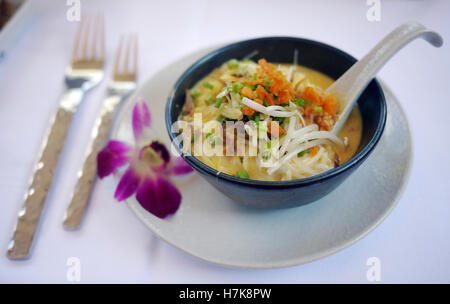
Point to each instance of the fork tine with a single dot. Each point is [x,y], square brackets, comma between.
[94,37]
[117,60]
[98,32]
[135,63]
[90,30]
[86,39]
[77,42]
[126,68]
[102,37]
[132,50]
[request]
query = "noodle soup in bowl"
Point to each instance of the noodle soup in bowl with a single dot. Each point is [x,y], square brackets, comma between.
[269,93]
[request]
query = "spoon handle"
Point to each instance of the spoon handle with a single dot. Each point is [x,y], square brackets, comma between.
[350,85]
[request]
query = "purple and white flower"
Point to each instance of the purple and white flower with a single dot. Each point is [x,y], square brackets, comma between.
[149,167]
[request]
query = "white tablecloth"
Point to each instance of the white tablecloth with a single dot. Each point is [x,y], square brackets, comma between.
[412,244]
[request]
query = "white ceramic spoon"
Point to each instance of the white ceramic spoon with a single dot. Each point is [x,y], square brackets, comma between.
[350,85]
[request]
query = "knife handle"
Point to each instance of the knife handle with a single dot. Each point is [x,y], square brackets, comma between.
[29,215]
[87,173]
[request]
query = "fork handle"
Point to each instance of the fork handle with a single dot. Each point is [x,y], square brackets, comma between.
[29,215]
[87,173]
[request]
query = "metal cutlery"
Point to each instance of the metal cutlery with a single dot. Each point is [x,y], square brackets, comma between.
[123,83]
[85,72]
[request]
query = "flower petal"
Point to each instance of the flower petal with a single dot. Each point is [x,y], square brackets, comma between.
[159,197]
[180,167]
[128,184]
[161,150]
[111,157]
[140,118]
[156,156]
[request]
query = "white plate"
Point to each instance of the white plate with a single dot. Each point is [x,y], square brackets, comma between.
[24,16]
[213,228]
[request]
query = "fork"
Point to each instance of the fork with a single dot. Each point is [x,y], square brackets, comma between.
[123,83]
[85,72]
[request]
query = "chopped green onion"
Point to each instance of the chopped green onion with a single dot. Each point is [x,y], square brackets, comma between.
[195,94]
[246,60]
[220,118]
[318,109]
[260,126]
[251,86]
[237,87]
[209,100]
[233,63]
[299,101]
[300,154]
[265,155]
[218,102]
[268,84]
[208,85]
[280,120]
[272,143]
[211,139]
[254,76]
[265,103]
[242,174]
[242,70]
[307,102]
[254,117]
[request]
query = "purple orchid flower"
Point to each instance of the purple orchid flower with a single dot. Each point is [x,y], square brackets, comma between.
[150,166]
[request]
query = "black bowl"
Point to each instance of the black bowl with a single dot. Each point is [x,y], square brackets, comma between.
[318,56]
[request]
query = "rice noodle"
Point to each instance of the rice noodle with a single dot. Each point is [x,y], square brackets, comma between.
[301,118]
[315,135]
[304,130]
[297,140]
[260,108]
[289,75]
[275,108]
[289,134]
[223,93]
[293,153]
